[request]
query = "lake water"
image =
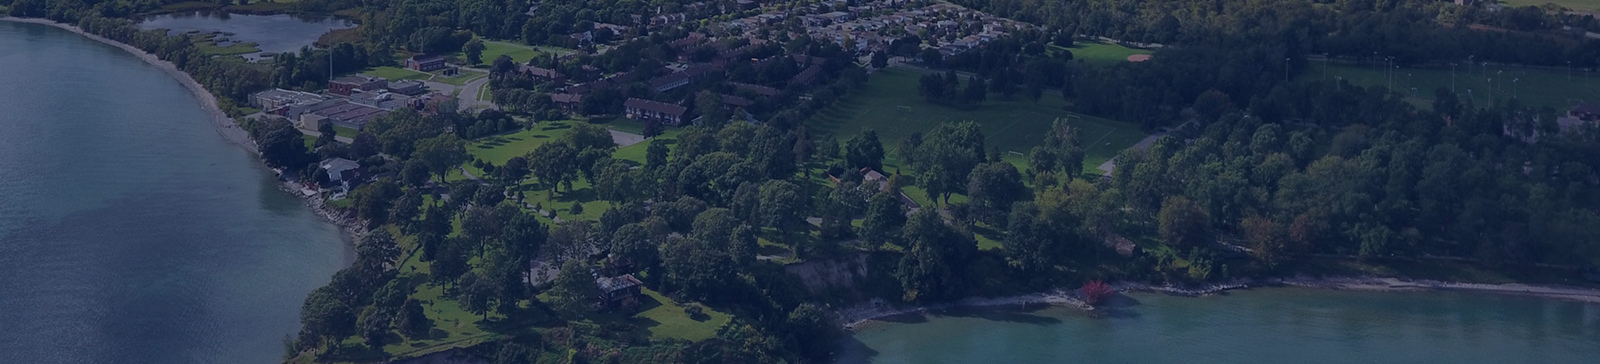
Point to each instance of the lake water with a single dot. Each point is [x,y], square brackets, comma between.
[130,232]
[271,33]
[1277,325]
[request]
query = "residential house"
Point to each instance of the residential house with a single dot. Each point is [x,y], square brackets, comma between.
[683,78]
[425,63]
[542,74]
[569,103]
[343,172]
[347,84]
[732,102]
[806,77]
[1585,111]
[619,290]
[647,110]
[760,90]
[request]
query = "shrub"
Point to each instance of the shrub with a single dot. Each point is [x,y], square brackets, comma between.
[1096,292]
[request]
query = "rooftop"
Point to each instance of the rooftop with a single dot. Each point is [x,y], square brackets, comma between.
[654,106]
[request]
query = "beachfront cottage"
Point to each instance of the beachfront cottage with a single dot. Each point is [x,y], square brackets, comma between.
[343,173]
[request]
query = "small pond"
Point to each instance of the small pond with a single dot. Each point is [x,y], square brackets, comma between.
[270,33]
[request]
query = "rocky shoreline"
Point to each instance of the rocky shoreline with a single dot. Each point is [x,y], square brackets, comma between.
[225,126]
[855,316]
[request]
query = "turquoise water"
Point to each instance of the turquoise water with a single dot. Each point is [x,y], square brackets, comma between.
[1279,325]
[130,232]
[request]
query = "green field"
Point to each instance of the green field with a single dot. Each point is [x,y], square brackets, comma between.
[889,104]
[1101,54]
[207,44]
[518,53]
[1575,5]
[1534,87]
[501,148]
[666,320]
[396,74]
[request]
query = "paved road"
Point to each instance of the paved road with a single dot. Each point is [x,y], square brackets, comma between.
[469,92]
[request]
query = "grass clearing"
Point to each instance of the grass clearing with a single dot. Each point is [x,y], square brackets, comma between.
[519,53]
[666,320]
[1100,54]
[345,132]
[890,105]
[1554,88]
[396,74]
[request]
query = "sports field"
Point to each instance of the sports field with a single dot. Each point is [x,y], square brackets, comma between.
[1537,87]
[1101,54]
[890,105]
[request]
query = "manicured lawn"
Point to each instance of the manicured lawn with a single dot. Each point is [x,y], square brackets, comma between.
[1101,54]
[1534,87]
[345,132]
[396,74]
[460,78]
[499,149]
[211,49]
[666,320]
[890,105]
[518,52]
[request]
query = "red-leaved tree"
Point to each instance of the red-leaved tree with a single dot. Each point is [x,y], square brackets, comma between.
[1096,292]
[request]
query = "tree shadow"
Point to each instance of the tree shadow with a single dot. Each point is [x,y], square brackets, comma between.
[555,126]
[1119,306]
[1014,314]
[853,351]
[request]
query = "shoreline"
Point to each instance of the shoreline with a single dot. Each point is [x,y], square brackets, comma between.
[349,230]
[875,310]
[224,125]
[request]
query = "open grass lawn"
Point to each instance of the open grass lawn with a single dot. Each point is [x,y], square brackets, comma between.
[1100,54]
[666,320]
[889,104]
[501,148]
[1534,87]
[461,78]
[210,48]
[345,132]
[396,74]
[1575,5]
[519,53]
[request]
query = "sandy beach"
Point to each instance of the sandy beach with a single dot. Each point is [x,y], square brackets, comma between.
[225,126]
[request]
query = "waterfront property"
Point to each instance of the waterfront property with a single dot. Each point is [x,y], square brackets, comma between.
[344,173]
[647,110]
